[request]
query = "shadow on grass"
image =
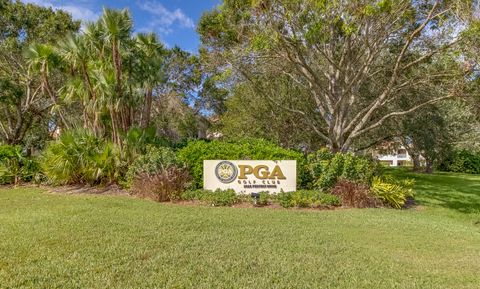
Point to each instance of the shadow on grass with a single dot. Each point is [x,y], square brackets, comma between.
[460,192]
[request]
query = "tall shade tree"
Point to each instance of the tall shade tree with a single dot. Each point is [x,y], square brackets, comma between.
[249,114]
[354,58]
[24,98]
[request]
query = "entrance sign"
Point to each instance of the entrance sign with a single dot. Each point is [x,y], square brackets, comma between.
[246,176]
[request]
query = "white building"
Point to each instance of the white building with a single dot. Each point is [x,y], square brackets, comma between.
[398,157]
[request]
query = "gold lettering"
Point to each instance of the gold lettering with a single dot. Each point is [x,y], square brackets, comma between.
[277,173]
[245,170]
[261,172]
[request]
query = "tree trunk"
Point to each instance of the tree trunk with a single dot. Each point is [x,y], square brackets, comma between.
[147,108]
[416,162]
[54,98]
[115,125]
[429,166]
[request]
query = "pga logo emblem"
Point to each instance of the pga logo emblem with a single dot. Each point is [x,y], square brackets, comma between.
[226,172]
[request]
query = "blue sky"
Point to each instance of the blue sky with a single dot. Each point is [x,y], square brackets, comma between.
[173,20]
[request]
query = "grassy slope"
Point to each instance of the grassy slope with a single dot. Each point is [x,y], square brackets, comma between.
[57,241]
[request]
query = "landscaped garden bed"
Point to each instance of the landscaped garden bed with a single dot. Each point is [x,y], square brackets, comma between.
[325,180]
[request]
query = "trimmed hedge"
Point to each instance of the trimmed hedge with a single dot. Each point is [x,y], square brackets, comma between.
[249,149]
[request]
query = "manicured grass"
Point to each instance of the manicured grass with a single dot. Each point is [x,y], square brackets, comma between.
[65,241]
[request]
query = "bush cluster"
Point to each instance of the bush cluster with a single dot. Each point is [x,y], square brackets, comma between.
[327,168]
[163,174]
[162,186]
[307,199]
[249,149]
[355,195]
[462,161]
[155,160]
[16,167]
[79,157]
[392,192]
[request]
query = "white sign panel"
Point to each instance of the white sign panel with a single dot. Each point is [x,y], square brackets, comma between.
[246,176]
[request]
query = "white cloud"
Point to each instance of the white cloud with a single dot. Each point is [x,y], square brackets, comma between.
[164,18]
[78,12]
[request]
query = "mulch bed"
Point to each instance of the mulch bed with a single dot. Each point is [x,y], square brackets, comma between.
[112,190]
[115,190]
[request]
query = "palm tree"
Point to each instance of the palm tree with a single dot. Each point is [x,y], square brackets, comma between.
[42,59]
[152,70]
[117,28]
[75,51]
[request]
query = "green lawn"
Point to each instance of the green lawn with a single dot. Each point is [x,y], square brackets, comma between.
[66,241]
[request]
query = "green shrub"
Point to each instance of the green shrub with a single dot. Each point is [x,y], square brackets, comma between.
[137,140]
[330,200]
[327,168]
[392,192]
[264,199]
[307,199]
[80,157]
[16,167]
[285,199]
[462,161]
[218,198]
[155,160]
[251,149]
[9,151]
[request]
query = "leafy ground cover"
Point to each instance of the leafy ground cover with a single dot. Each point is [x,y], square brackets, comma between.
[90,241]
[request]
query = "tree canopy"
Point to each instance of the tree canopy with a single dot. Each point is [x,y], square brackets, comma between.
[355,59]
[304,74]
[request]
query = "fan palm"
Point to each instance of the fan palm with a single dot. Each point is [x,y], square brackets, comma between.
[116,31]
[42,58]
[151,70]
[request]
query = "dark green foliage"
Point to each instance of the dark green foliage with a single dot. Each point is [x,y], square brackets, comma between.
[155,160]
[28,23]
[307,199]
[462,161]
[326,168]
[136,140]
[251,114]
[218,198]
[25,109]
[80,157]
[8,151]
[15,166]
[248,149]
